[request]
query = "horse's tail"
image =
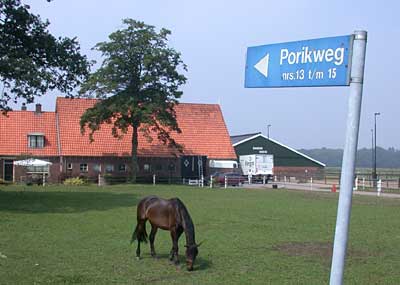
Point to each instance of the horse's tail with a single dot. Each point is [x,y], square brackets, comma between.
[139,233]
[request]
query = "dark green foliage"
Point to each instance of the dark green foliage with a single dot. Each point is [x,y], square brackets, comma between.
[138,83]
[331,157]
[389,158]
[32,61]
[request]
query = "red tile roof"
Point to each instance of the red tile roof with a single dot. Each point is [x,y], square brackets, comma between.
[203,133]
[14,130]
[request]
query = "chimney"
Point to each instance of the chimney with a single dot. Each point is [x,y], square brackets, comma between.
[38,109]
[23,108]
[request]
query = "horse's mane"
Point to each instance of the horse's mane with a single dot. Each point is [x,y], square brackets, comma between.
[186,220]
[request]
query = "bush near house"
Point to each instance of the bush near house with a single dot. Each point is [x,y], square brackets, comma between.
[3,182]
[74,181]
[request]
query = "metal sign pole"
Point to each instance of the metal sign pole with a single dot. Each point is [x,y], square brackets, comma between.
[349,158]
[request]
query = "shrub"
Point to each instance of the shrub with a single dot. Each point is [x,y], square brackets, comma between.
[3,182]
[74,181]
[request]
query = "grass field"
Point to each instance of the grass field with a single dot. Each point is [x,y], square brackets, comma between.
[67,235]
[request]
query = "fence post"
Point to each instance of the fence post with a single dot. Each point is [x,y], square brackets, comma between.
[379,187]
[211,181]
[311,183]
[355,184]
[154,179]
[363,184]
[202,181]
[226,182]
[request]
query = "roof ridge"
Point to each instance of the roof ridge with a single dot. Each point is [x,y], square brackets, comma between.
[77,98]
[179,103]
[281,144]
[250,134]
[27,111]
[207,104]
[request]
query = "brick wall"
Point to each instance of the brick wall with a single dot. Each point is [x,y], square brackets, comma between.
[91,167]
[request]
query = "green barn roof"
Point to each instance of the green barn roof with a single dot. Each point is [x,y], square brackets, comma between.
[256,143]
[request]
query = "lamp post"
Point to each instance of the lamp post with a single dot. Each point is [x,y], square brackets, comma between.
[372,153]
[268,126]
[374,175]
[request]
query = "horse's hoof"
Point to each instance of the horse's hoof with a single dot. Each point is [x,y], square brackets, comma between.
[137,257]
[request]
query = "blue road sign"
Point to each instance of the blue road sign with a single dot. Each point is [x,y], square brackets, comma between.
[318,62]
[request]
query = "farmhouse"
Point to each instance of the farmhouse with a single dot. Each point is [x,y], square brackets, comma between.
[56,137]
[287,161]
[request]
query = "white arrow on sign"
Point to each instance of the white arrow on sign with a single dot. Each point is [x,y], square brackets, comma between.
[262,65]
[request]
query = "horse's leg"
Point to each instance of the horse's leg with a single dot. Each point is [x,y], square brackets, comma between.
[152,237]
[175,234]
[179,231]
[174,250]
[138,250]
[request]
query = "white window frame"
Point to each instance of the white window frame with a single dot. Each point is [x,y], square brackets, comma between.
[36,140]
[124,167]
[83,167]
[147,167]
[109,168]
[97,167]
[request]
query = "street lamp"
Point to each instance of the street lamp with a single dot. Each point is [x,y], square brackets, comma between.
[268,126]
[372,150]
[374,176]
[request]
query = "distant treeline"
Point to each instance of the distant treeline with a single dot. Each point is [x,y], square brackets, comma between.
[385,158]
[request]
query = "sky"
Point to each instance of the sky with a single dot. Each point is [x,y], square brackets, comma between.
[213,37]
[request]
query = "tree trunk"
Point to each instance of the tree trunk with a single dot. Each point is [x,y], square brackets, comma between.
[134,154]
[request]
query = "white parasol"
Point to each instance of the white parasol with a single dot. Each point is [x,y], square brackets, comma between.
[32,162]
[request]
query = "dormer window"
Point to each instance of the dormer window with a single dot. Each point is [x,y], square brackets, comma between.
[36,140]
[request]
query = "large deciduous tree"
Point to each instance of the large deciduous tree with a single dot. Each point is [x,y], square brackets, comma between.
[33,61]
[138,83]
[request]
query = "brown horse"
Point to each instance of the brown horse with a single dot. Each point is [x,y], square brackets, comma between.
[170,215]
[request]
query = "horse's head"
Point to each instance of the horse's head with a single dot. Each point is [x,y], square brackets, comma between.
[191,254]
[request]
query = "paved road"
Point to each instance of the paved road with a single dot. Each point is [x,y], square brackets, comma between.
[313,187]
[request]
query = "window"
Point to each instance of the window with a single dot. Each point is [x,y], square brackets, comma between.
[122,168]
[69,166]
[109,168]
[146,167]
[171,167]
[36,140]
[83,167]
[97,167]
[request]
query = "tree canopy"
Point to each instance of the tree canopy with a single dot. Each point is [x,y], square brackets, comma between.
[32,60]
[138,83]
